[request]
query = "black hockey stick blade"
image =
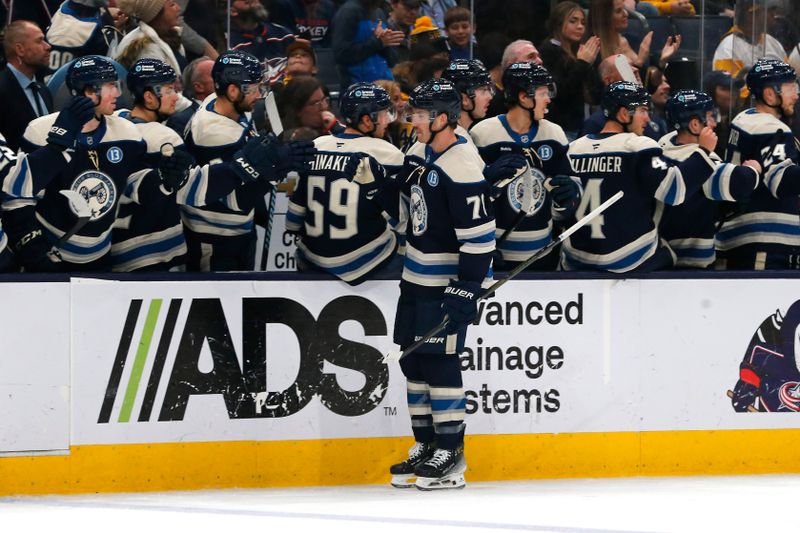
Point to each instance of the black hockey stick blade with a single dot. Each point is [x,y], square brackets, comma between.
[397,355]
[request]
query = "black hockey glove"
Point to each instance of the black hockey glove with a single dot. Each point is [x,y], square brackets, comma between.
[32,251]
[746,391]
[565,193]
[461,304]
[256,160]
[174,170]
[503,171]
[297,156]
[69,122]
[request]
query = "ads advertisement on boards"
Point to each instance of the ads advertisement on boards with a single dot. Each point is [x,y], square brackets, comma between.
[270,360]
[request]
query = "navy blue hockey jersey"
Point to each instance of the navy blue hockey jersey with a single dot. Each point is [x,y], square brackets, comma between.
[7,161]
[105,163]
[343,231]
[451,230]
[625,235]
[690,227]
[494,138]
[770,218]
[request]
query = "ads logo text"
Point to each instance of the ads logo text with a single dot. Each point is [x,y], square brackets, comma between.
[243,386]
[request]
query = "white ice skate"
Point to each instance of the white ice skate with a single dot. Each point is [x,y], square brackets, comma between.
[445,470]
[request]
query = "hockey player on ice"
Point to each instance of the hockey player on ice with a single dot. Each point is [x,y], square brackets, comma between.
[221,236]
[764,234]
[521,136]
[689,228]
[150,237]
[83,148]
[341,212]
[769,377]
[625,237]
[450,240]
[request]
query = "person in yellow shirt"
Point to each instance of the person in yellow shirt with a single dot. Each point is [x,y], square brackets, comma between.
[672,7]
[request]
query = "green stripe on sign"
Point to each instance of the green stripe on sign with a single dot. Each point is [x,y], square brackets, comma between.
[138,363]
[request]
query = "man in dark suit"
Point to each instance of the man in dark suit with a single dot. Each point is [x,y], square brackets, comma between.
[24,97]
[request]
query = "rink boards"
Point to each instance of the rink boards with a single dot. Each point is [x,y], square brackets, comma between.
[119,385]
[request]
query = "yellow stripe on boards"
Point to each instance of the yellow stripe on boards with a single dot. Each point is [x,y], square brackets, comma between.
[202,465]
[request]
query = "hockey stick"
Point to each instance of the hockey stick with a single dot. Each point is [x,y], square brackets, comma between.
[750,408]
[396,355]
[80,208]
[277,128]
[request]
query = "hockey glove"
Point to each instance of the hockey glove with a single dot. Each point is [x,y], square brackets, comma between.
[256,160]
[174,170]
[461,304]
[369,174]
[69,122]
[746,390]
[504,170]
[32,251]
[565,192]
[295,156]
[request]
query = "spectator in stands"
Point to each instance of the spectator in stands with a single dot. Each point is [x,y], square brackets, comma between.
[746,41]
[672,7]
[608,20]
[402,18]
[458,26]
[656,84]
[308,19]
[399,131]
[714,7]
[253,33]
[302,103]
[24,98]
[300,60]
[571,65]
[80,28]
[609,74]
[428,56]
[519,51]
[722,87]
[364,48]
[640,6]
[197,85]
[437,11]
[780,27]
[157,35]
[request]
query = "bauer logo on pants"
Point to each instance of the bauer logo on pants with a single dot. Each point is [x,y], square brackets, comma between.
[243,386]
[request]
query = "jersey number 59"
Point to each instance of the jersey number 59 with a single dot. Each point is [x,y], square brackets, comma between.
[342,200]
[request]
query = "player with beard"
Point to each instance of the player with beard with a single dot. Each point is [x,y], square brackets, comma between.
[765,233]
[222,236]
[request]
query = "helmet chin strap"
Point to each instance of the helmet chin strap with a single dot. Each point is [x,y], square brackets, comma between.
[470,110]
[778,107]
[160,117]
[434,132]
[370,132]
[236,103]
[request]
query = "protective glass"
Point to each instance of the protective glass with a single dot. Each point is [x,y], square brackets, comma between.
[390,113]
[165,89]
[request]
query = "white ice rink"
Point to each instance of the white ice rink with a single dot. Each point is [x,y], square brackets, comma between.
[754,504]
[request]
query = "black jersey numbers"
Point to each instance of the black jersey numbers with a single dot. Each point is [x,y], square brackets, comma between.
[338,197]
